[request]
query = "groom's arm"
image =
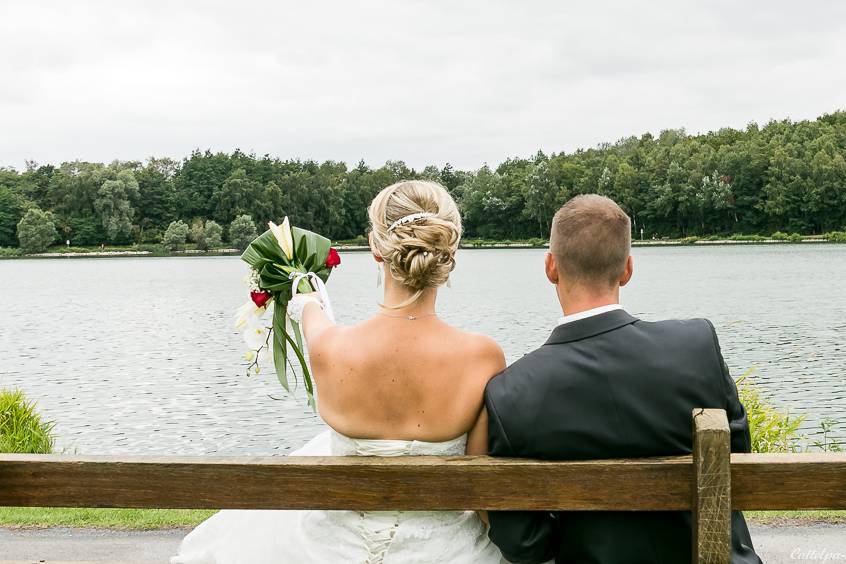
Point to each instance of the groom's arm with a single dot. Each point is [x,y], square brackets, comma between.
[523,536]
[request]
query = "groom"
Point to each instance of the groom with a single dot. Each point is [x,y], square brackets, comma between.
[607,385]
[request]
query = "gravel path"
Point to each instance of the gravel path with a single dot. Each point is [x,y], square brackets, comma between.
[777,544]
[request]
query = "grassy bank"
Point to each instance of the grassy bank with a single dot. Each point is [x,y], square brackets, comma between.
[145,519]
[135,519]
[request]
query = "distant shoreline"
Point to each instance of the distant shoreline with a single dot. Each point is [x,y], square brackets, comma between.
[132,252]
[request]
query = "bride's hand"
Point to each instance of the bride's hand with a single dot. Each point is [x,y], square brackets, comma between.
[298,303]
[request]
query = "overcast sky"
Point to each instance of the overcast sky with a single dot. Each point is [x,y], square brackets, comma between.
[422,81]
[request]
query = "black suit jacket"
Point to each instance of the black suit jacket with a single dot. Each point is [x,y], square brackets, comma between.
[611,386]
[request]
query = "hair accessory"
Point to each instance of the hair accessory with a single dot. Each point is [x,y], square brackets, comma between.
[410,218]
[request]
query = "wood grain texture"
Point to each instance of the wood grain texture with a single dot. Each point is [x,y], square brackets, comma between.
[788,481]
[712,490]
[359,483]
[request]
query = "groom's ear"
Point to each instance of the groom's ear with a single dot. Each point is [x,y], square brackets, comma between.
[551,268]
[627,272]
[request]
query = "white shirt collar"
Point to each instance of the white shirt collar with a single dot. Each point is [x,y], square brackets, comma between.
[588,313]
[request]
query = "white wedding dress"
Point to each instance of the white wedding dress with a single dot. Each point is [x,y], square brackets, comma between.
[336,537]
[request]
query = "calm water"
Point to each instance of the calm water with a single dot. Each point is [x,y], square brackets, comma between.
[139,355]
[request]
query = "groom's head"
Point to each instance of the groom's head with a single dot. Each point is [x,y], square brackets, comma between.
[589,246]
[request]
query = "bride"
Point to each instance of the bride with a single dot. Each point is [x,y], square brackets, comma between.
[401,383]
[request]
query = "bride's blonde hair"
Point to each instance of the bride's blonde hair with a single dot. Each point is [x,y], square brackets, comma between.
[419,254]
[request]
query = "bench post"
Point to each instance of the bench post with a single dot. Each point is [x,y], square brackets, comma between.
[712,487]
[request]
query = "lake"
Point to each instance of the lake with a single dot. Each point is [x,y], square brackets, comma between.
[139,355]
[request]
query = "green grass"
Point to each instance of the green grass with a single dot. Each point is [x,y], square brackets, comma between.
[21,428]
[135,519]
[147,519]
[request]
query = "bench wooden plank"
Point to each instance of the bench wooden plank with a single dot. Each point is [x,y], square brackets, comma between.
[759,481]
[360,483]
[788,481]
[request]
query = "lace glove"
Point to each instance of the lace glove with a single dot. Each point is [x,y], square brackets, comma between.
[297,304]
[324,302]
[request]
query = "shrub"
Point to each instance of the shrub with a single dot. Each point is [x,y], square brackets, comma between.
[537,242]
[688,240]
[794,238]
[836,236]
[242,231]
[176,235]
[772,430]
[21,428]
[780,236]
[213,234]
[36,231]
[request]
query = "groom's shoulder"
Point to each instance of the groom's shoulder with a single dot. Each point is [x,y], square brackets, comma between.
[686,333]
[693,335]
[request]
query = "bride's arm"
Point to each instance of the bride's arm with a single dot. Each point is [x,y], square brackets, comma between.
[477,445]
[492,363]
[315,322]
[477,439]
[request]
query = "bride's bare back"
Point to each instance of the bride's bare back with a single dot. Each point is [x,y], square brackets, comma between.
[392,378]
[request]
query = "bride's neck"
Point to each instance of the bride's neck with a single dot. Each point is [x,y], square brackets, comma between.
[396,294]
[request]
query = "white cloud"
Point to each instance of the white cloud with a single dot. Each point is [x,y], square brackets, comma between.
[426,82]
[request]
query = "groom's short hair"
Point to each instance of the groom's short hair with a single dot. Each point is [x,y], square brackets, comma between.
[591,239]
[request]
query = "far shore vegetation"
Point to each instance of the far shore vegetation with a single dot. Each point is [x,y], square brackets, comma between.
[783,180]
[360,243]
[22,430]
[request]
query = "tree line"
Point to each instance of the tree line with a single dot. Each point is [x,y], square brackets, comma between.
[783,176]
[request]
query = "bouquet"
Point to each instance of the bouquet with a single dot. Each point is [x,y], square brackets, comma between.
[283,261]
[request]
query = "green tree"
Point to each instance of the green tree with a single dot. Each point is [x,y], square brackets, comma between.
[12,208]
[113,204]
[176,235]
[242,231]
[155,206]
[541,196]
[36,231]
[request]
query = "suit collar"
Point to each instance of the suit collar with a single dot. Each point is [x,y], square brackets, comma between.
[590,327]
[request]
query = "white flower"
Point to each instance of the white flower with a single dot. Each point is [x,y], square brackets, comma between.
[283,237]
[266,354]
[253,280]
[248,315]
[255,337]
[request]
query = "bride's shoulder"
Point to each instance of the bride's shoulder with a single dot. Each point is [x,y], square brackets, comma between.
[482,354]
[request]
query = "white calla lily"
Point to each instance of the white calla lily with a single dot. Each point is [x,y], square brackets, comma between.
[248,315]
[283,237]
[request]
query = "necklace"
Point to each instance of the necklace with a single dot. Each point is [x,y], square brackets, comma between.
[408,317]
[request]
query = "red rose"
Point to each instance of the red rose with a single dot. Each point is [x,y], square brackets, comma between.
[333,259]
[260,298]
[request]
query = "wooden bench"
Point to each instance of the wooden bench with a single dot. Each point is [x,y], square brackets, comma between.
[709,483]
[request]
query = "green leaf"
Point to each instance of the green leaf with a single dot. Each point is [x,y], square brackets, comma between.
[315,244]
[309,385]
[280,346]
[295,327]
[262,250]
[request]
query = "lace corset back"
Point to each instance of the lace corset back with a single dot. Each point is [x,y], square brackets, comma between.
[398,532]
[341,445]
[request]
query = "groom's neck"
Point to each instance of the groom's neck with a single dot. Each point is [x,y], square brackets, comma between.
[578,299]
